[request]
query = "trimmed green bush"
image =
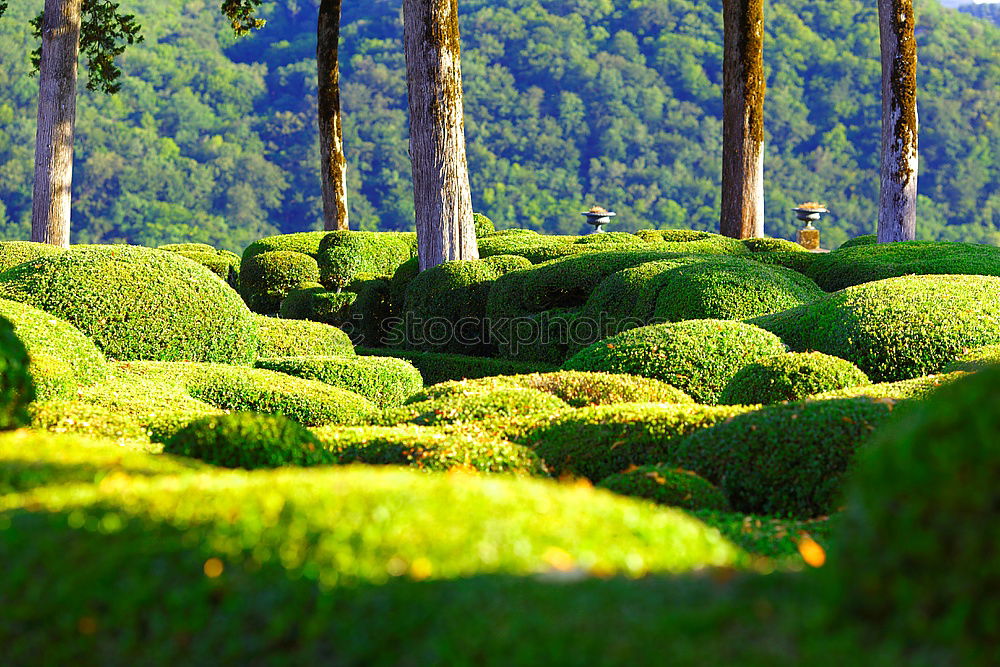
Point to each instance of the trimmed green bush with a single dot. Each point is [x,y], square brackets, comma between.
[864,239]
[867,263]
[301,338]
[577,389]
[248,440]
[13,253]
[776,538]
[604,440]
[222,263]
[371,308]
[436,367]
[344,255]
[788,459]
[796,261]
[917,554]
[267,278]
[306,243]
[428,449]
[400,280]
[920,387]
[312,301]
[790,377]
[521,242]
[16,388]
[82,418]
[667,485]
[490,410]
[61,358]
[29,460]
[385,381]
[771,245]
[673,235]
[899,328]
[618,239]
[139,303]
[699,357]
[188,247]
[445,305]
[974,360]
[484,225]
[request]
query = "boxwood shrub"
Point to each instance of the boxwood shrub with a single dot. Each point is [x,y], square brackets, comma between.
[667,485]
[16,387]
[343,255]
[222,263]
[61,358]
[864,239]
[139,303]
[975,359]
[13,253]
[483,225]
[248,440]
[267,278]
[920,387]
[385,381]
[371,308]
[306,243]
[794,260]
[298,338]
[699,357]
[436,367]
[88,419]
[673,235]
[577,389]
[771,245]
[491,407]
[899,328]
[919,535]
[788,459]
[858,264]
[312,301]
[604,440]
[790,377]
[428,449]
[187,247]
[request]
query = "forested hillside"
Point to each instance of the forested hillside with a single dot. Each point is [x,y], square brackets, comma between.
[568,102]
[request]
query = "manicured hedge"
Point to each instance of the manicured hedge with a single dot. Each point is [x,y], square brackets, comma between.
[521,242]
[436,367]
[429,449]
[898,328]
[30,460]
[796,261]
[771,245]
[667,485]
[312,301]
[918,549]
[222,263]
[385,381]
[267,278]
[248,440]
[344,255]
[493,409]
[370,310]
[61,357]
[578,389]
[276,565]
[790,377]
[864,239]
[298,338]
[920,387]
[13,253]
[974,360]
[858,264]
[604,440]
[138,303]
[445,305]
[89,419]
[484,225]
[699,357]
[788,459]
[673,235]
[16,387]
[187,247]
[306,243]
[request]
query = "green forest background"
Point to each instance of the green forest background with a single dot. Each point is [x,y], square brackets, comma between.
[568,103]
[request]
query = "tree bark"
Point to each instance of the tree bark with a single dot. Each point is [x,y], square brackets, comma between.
[442,198]
[333,165]
[743,86]
[51,198]
[897,215]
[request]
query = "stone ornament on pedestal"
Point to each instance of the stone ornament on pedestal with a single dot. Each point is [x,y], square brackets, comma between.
[808,236]
[598,217]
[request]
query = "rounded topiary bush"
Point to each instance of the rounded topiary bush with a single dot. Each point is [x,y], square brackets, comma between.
[343,255]
[486,406]
[16,388]
[484,225]
[385,381]
[139,303]
[312,301]
[899,328]
[299,338]
[790,377]
[13,253]
[974,360]
[578,389]
[673,235]
[248,440]
[667,485]
[864,239]
[429,449]
[306,243]
[222,263]
[603,440]
[187,247]
[772,245]
[267,278]
[788,459]
[918,547]
[699,357]
[78,417]
[61,358]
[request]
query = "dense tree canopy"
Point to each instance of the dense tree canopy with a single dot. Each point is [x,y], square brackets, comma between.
[567,104]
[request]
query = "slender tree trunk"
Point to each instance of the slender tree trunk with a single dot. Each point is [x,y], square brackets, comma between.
[442,198]
[333,165]
[743,87]
[50,207]
[897,215]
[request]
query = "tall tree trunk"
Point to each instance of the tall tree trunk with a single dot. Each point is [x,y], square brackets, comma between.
[897,214]
[333,165]
[441,195]
[50,206]
[743,87]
